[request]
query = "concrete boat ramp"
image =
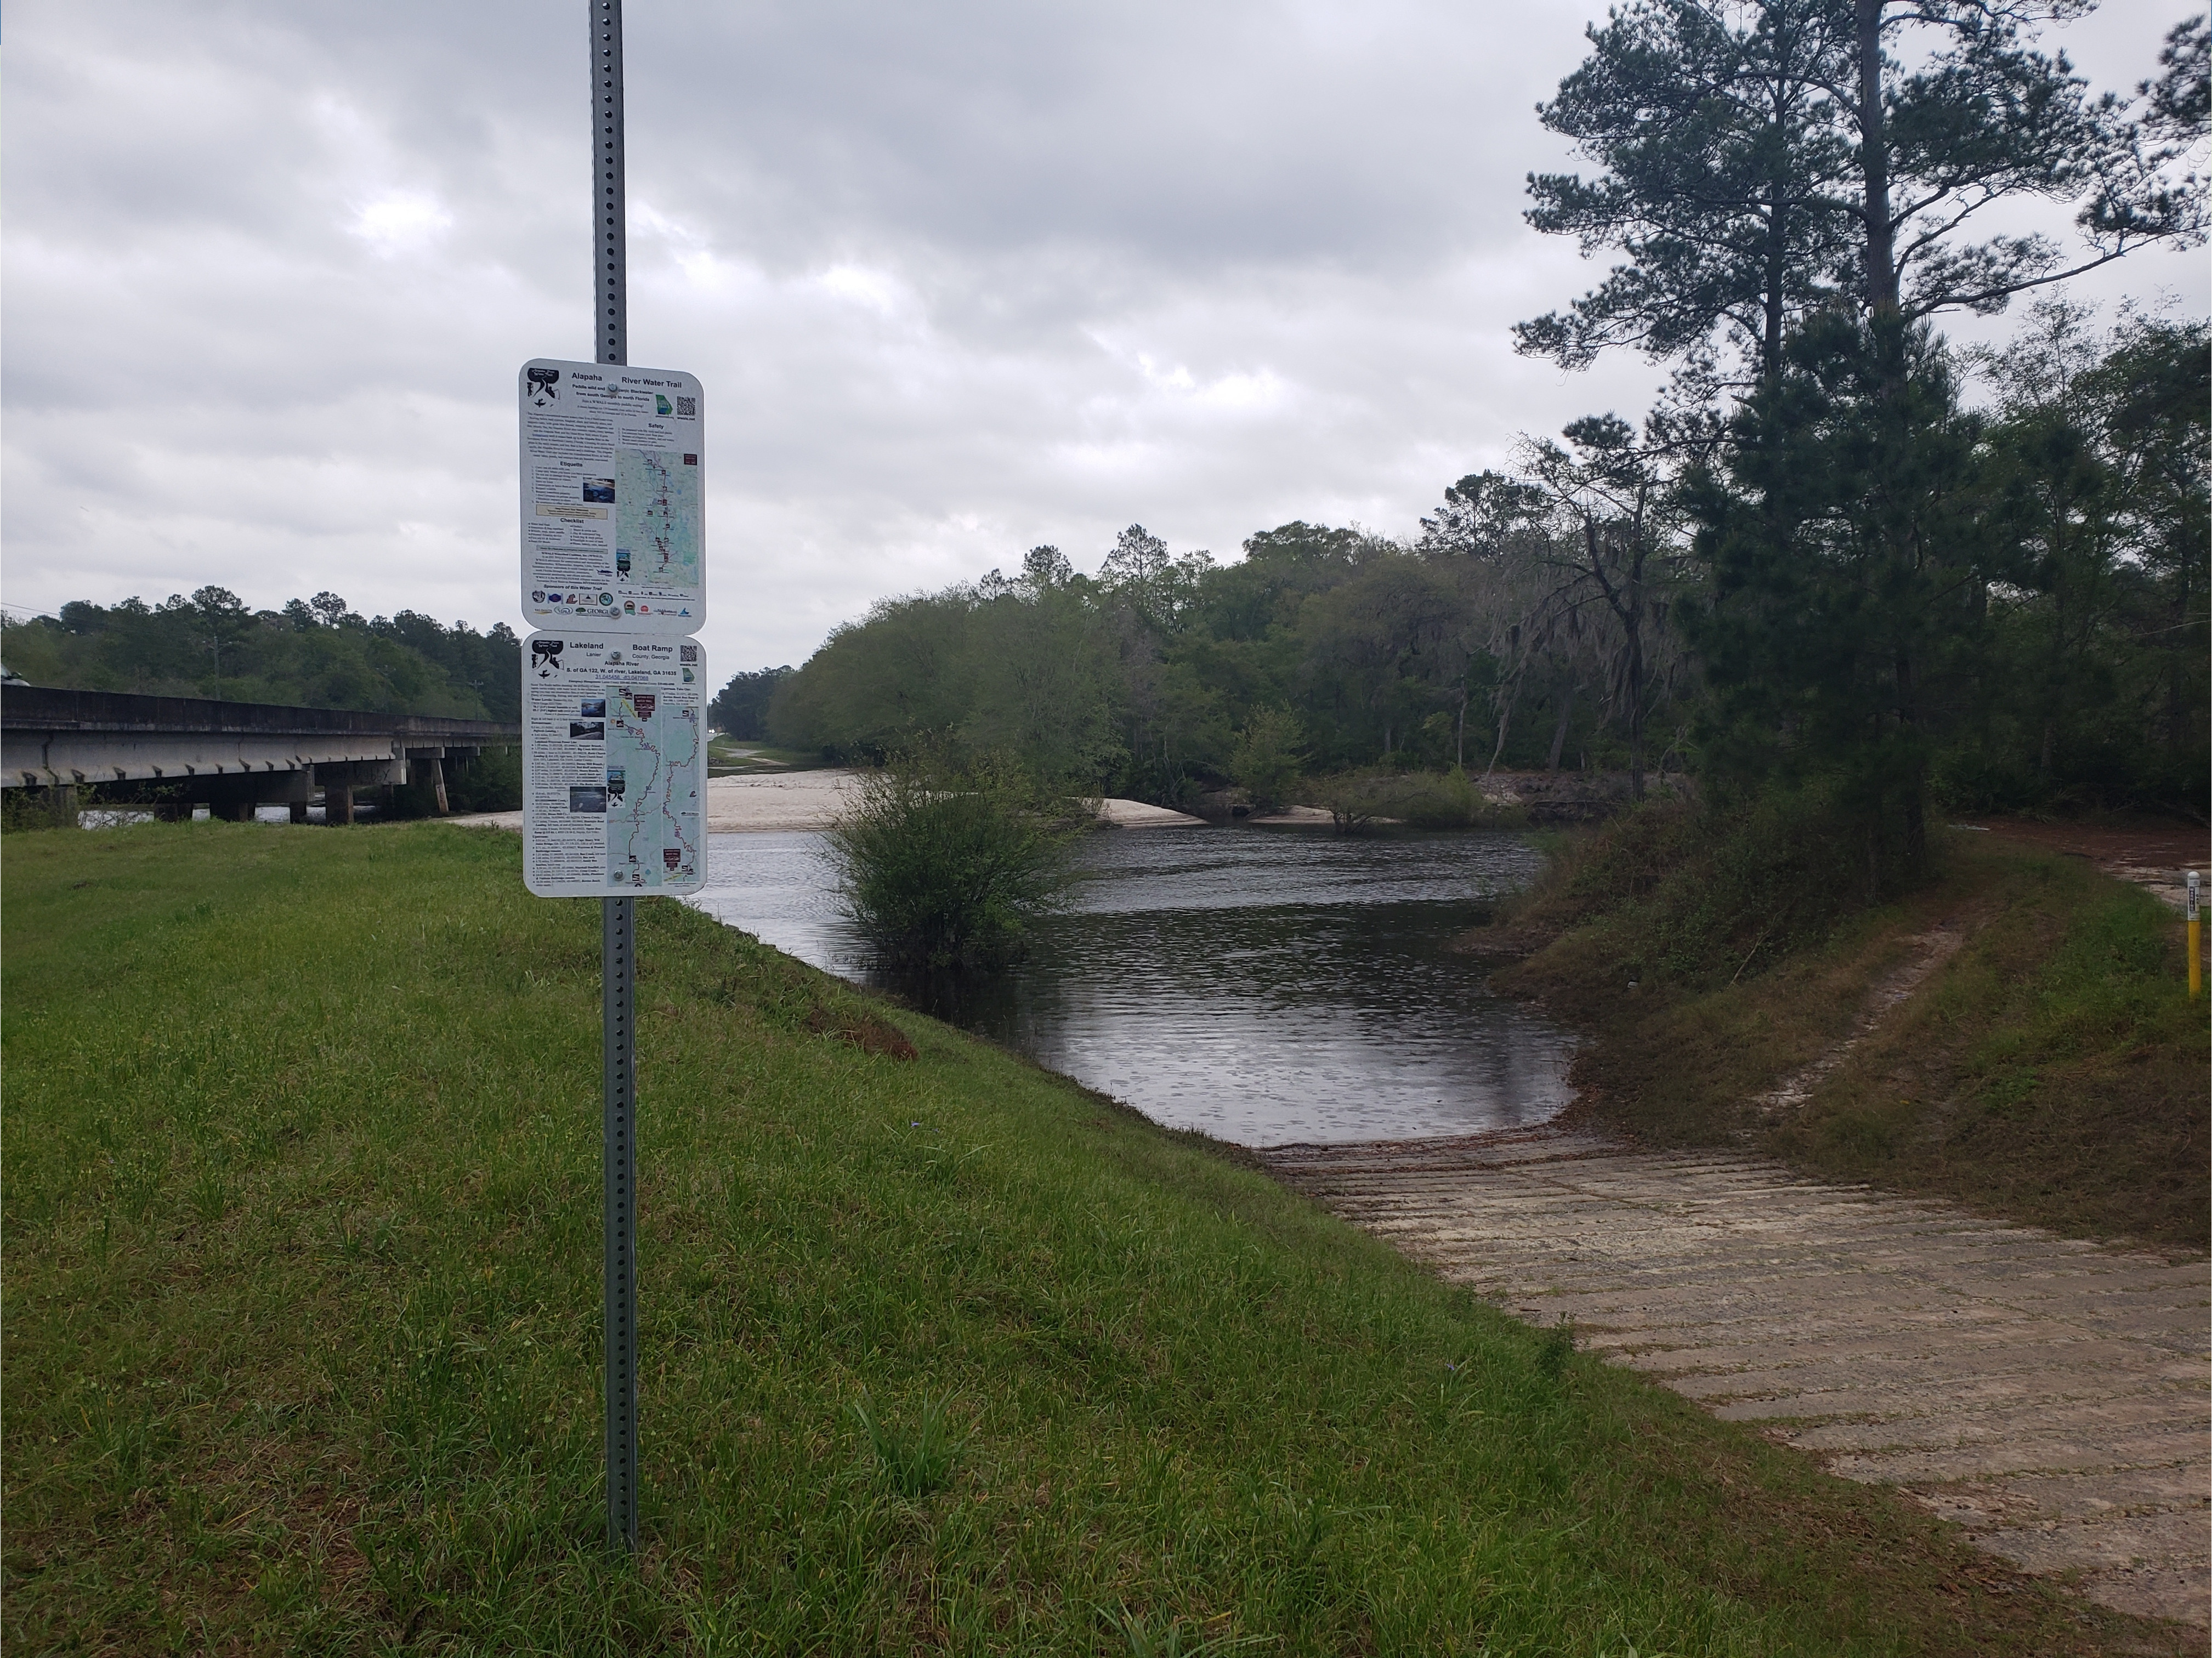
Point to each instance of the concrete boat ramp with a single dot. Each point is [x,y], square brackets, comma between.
[2049,1395]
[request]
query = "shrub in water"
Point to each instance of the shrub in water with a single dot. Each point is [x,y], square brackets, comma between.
[945,862]
[1359,800]
[1427,800]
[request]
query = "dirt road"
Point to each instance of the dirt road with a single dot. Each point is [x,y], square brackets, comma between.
[2049,1395]
[2154,855]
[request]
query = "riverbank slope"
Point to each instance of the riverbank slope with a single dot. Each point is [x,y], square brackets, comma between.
[2015,1035]
[301,1188]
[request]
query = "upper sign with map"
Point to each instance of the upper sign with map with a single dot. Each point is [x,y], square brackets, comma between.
[613,523]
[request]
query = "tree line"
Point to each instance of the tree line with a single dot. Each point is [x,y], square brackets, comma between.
[740,709]
[313,653]
[1841,553]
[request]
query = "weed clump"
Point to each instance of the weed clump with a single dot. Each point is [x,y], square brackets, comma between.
[868,1031]
[1556,1348]
[916,1461]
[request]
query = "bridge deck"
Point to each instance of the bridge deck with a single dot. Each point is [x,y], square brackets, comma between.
[53,737]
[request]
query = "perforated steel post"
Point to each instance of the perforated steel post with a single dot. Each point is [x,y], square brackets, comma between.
[618,969]
[608,214]
[618,932]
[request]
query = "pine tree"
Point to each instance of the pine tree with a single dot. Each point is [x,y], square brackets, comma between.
[1759,159]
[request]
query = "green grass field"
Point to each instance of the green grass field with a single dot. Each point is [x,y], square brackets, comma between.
[302,1339]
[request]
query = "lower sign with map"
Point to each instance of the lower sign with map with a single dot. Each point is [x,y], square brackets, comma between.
[614,766]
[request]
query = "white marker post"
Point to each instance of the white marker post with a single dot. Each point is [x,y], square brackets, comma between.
[2195,936]
[614,734]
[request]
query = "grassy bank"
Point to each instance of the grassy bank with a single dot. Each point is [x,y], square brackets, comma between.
[301,1234]
[2051,1070]
[729,758]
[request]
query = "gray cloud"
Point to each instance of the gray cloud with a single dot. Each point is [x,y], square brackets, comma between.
[960,279]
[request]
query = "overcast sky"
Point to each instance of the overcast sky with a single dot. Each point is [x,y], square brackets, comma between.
[958,277]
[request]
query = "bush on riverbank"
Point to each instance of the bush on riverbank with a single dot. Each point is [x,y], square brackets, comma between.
[945,860]
[2050,1071]
[1676,894]
[303,1328]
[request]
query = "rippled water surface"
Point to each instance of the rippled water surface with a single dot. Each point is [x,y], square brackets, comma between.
[1266,985]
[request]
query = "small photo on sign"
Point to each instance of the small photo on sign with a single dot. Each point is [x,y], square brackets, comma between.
[588,731]
[587,798]
[591,708]
[599,489]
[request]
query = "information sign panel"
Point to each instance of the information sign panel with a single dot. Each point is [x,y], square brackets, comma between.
[613,497]
[614,765]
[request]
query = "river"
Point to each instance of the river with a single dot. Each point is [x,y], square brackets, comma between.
[1266,985]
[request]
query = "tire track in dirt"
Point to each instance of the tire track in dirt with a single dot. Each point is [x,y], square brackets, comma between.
[1937,946]
[2049,1395]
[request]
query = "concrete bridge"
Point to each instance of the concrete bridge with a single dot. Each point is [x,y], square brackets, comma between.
[229,757]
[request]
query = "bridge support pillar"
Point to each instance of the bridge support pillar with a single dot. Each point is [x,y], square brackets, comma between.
[299,811]
[337,803]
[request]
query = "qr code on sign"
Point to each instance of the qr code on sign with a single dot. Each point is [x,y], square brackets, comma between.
[687,408]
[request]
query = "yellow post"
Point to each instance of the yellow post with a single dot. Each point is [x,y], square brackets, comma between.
[2195,944]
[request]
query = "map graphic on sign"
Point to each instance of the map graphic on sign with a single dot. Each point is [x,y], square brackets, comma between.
[656,533]
[653,799]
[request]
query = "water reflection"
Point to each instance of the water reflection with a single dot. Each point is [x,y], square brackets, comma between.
[1264,985]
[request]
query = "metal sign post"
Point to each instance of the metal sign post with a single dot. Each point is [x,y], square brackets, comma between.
[618,973]
[618,917]
[610,466]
